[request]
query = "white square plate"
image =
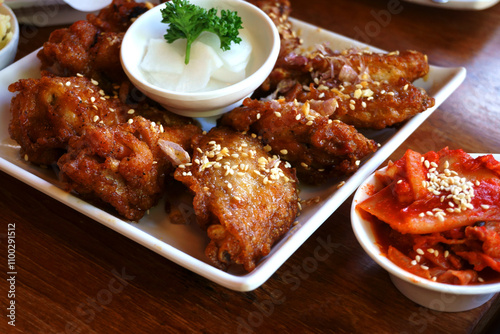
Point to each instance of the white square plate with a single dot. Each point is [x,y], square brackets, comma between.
[458,4]
[175,242]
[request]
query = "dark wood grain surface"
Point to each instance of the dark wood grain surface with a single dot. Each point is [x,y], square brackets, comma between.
[76,276]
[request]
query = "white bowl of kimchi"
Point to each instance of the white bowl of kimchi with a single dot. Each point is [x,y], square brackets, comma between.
[440,261]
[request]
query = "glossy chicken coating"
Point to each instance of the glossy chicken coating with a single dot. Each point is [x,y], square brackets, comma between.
[316,146]
[244,197]
[84,49]
[92,47]
[365,105]
[333,68]
[124,165]
[47,112]
[279,12]
[119,15]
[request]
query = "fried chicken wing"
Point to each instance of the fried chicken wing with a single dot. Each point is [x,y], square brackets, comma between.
[119,15]
[245,198]
[92,47]
[279,12]
[316,146]
[365,105]
[333,68]
[82,49]
[124,165]
[47,112]
[354,65]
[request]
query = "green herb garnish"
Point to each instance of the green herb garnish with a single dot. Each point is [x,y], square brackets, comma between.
[189,21]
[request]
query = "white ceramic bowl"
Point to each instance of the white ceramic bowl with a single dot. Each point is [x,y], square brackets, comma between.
[8,53]
[433,295]
[265,49]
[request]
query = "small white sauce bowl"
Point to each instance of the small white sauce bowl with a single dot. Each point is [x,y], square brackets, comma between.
[433,295]
[8,53]
[265,49]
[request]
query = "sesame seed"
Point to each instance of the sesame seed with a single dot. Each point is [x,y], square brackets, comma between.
[485,206]
[96,118]
[420,251]
[130,111]
[94,82]
[284,152]
[297,117]
[68,83]
[424,267]
[277,113]
[405,87]
[130,121]
[258,116]
[309,123]
[26,157]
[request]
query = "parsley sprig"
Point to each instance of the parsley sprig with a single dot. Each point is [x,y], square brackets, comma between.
[189,21]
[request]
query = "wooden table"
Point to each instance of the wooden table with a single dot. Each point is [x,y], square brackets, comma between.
[68,264]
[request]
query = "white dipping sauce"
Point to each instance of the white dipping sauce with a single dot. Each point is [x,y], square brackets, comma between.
[209,66]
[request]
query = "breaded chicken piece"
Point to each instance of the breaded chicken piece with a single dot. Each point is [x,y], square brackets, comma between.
[92,47]
[328,68]
[82,49]
[119,15]
[47,112]
[125,165]
[365,105]
[316,146]
[244,197]
[354,65]
[279,12]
